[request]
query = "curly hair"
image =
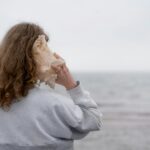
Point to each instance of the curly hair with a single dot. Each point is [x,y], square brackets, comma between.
[17,66]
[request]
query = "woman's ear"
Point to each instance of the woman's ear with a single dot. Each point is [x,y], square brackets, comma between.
[40,42]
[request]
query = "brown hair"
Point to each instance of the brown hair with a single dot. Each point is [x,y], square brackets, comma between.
[17,66]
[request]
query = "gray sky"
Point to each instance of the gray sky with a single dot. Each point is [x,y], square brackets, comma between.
[91,35]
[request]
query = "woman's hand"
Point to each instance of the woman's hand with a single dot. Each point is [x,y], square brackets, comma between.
[64,76]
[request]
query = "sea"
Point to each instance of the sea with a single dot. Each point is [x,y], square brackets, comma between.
[124,100]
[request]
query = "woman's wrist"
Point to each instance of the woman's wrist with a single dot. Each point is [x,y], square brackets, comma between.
[72,85]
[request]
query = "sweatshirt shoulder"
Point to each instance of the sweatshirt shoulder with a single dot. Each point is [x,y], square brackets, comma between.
[48,97]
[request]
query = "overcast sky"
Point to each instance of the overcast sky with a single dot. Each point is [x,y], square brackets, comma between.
[91,35]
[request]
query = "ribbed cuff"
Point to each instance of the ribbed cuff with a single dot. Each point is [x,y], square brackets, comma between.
[77,91]
[81,96]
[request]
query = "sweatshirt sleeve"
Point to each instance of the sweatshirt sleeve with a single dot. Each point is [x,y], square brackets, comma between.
[83,115]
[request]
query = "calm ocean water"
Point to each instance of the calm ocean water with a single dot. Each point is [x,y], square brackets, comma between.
[124,99]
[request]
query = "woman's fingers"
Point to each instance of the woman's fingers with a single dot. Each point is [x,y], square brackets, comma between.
[65,69]
[56,68]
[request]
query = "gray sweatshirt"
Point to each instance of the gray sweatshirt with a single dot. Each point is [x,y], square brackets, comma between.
[48,120]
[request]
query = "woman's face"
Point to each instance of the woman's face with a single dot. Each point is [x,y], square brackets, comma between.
[44,56]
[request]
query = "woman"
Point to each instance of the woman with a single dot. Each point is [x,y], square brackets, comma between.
[33,117]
